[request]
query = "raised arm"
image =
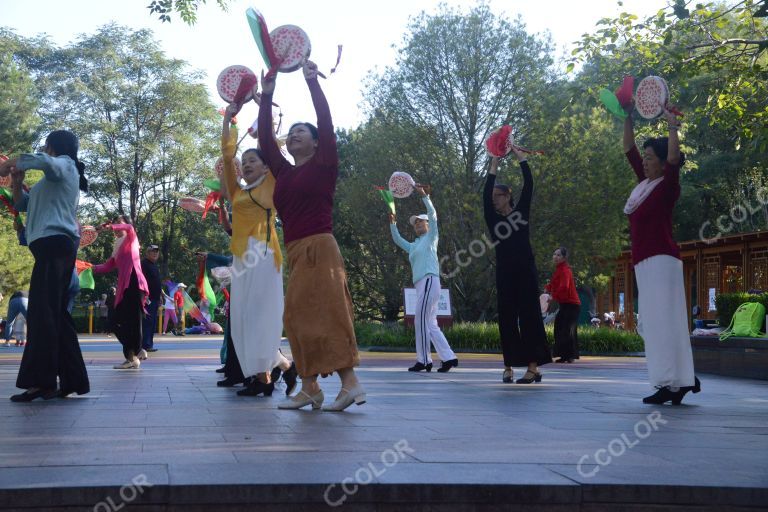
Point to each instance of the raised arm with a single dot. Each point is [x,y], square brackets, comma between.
[326,147]
[53,168]
[403,244]
[228,149]
[274,158]
[432,214]
[490,181]
[524,202]
[630,148]
[674,156]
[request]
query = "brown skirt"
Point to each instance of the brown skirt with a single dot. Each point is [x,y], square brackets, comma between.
[318,315]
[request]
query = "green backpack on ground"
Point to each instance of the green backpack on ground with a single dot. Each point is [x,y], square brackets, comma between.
[746,322]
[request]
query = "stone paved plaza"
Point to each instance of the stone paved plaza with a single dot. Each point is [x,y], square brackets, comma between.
[166,438]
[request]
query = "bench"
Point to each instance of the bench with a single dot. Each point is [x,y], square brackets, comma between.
[734,357]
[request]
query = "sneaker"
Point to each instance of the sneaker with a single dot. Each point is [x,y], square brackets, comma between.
[7,343]
[143,355]
[153,349]
[128,365]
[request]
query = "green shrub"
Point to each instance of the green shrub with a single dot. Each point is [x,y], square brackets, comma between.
[728,303]
[484,337]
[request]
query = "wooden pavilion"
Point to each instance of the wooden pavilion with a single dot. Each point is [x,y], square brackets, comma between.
[734,263]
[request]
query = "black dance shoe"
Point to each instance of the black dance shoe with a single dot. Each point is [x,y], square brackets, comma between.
[290,376]
[418,367]
[27,396]
[663,394]
[529,378]
[274,375]
[256,388]
[220,370]
[447,365]
[229,382]
[684,390]
[564,360]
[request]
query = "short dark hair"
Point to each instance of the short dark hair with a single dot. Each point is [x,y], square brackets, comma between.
[312,129]
[503,188]
[660,147]
[563,251]
[258,152]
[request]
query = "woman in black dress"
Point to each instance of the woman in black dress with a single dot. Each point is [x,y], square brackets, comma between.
[523,340]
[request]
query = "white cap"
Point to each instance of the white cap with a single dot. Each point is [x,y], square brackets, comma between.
[414,218]
[181,285]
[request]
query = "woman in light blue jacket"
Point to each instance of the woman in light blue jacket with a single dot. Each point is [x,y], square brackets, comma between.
[425,268]
[53,233]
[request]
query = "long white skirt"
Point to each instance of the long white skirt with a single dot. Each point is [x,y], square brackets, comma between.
[663,321]
[256,309]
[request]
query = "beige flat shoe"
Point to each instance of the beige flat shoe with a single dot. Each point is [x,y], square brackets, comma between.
[347,397]
[302,399]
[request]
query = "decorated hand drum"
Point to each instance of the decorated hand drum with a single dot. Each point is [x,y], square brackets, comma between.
[292,47]
[651,97]
[235,84]
[401,184]
[219,167]
[500,142]
[88,235]
[192,204]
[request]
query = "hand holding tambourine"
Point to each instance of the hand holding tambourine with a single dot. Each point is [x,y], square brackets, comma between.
[310,70]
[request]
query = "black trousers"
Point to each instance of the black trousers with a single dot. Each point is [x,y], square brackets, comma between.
[523,340]
[129,316]
[52,348]
[150,324]
[566,336]
[232,368]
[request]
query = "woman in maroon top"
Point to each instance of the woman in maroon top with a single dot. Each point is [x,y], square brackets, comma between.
[318,314]
[663,319]
[562,288]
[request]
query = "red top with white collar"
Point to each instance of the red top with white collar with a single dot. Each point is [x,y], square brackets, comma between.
[650,225]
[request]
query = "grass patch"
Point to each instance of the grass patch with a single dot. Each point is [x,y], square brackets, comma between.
[484,337]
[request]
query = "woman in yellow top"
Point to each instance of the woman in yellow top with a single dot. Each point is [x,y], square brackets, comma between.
[256,299]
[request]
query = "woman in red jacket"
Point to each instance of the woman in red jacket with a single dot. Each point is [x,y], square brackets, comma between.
[562,288]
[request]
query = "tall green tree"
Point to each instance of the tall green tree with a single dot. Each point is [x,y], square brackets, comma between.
[714,57]
[148,135]
[19,122]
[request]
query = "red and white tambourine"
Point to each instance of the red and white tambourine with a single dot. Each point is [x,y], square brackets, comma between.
[5,181]
[651,97]
[500,142]
[292,47]
[88,235]
[401,184]
[235,84]
[219,167]
[192,204]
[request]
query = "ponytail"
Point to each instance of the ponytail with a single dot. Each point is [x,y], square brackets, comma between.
[81,171]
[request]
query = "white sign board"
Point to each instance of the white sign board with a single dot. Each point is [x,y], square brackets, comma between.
[712,306]
[443,305]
